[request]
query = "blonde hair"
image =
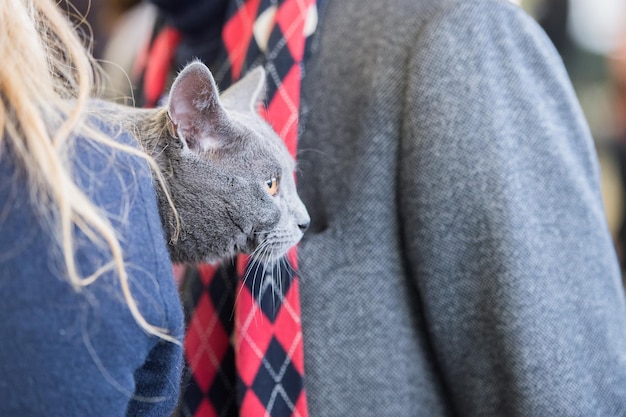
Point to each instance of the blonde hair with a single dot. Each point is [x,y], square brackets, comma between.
[46,80]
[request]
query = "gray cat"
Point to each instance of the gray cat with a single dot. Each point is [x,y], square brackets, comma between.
[230,176]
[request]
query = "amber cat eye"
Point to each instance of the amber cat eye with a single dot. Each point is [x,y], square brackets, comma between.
[272,186]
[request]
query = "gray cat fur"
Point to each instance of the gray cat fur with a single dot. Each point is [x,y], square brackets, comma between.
[216,155]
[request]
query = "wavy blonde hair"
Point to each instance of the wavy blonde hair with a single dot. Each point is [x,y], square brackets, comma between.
[46,80]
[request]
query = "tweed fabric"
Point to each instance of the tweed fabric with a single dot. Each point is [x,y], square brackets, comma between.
[458,261]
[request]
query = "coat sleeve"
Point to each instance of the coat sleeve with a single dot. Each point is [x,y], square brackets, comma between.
[504,225]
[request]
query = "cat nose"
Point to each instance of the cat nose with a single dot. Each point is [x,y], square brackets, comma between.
[304,226]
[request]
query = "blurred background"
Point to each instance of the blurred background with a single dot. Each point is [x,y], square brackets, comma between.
[590,36]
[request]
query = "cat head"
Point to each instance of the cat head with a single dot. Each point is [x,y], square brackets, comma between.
[230,176]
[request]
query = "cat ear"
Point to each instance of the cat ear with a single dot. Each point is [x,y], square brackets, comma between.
[246,93]
[194,108]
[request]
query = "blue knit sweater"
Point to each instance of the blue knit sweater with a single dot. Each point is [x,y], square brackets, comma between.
[81,353]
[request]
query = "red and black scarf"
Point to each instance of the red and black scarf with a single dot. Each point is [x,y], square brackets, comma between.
[249,363]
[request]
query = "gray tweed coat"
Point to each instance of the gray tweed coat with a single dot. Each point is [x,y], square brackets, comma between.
[458,262]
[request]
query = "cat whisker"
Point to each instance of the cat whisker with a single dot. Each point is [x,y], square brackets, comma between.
[255,252]
[251,264]
[269,271]
[263,275]
[241,287]
[280,280]
[254,256]
[274,285]
[288,267]
[256,292]
[269,265]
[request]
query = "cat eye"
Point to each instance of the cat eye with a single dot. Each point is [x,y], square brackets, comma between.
[272,186]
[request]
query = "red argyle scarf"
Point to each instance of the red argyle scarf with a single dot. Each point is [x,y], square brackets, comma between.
[254,368]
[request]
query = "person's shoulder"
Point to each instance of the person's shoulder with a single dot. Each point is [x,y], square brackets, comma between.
[108,117]
[431,14]
[107,148]
[108,166]
[477,12]
[455,31]
[434,9]
[406,22]
[120,182]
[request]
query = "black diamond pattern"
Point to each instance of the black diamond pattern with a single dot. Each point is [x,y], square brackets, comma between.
[192,394]
[280,61]
[254,57]
[192,290]
[242,390]
[290,380]
[280,406]
[222,394]
[269,296]
[265,4]
[222,293]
